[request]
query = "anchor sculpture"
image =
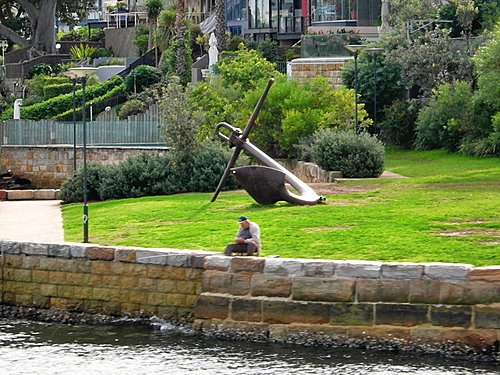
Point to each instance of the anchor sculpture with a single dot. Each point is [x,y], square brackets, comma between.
[265,184]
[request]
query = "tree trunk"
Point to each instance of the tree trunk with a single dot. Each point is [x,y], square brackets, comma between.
[180,26]
[220,24]
[43,30]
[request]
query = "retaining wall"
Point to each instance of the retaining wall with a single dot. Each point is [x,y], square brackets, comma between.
[266,298]
[49,166]
[305,69]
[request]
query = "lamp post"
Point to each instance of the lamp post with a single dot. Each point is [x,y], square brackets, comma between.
[82,73]
[355,49]
[72,76]
[3,46]
[374,52]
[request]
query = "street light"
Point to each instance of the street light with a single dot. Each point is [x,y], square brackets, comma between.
[3,46]
[374,52]
[82,73]
[73,77]
[355,49]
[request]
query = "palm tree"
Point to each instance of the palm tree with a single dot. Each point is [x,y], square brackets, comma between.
[180,28]
[154,8]
[220,24]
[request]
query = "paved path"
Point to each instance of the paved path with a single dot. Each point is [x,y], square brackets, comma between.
[30,220]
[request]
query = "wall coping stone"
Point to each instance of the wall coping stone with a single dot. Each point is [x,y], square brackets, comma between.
[208,260]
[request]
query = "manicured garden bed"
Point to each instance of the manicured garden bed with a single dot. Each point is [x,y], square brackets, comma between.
[447,210]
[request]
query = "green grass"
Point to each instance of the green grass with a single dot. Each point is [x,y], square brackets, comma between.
[448,210]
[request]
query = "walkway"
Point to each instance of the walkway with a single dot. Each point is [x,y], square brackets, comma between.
[31,220]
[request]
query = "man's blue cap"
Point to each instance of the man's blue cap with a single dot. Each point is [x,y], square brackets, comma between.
[242,219]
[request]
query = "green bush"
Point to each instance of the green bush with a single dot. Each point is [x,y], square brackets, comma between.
[145,175]
[443,121]
[62,103]
[132,107]
[355,155]
[40,69]
[72,189]
[141,77]
[37,84]
[398,127]
[50,91]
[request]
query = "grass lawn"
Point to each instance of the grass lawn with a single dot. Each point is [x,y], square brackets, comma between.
[447,210]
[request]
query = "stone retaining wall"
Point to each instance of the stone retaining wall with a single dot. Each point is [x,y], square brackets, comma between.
[271,299]
[49,166]
[306,69]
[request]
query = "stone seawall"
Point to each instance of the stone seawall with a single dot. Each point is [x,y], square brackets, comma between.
[49,166]
[430,305]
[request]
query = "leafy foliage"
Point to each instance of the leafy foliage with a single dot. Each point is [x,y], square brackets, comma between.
[132,107]
[82,51]
[40,70]
[141,77]
[355,155]
[441,122]
[398,127]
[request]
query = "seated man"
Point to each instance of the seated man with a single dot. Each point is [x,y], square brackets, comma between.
[247,239]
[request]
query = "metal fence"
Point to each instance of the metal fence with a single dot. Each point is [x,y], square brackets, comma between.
[137,130]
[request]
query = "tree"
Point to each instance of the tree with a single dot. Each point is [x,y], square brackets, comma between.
[180,29]
[41,15]
[153,7]
[220,24]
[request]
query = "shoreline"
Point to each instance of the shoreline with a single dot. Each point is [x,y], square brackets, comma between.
[187,326]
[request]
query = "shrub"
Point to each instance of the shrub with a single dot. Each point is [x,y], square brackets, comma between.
[244,67]
[39,69]
[144,175]
[37,84]
[442,122]
[50,91]
[398,127]
[355,155]
[132,107]
[72,189]
[141,77]
[82,51]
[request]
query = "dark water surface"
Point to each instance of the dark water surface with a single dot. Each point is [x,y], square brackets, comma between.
[40,348]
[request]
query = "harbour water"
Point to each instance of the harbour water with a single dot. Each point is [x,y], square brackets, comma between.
[28,347]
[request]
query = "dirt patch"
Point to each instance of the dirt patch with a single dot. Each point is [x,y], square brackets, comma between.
[327,188]
[474,221]
[322,229]
[490,232]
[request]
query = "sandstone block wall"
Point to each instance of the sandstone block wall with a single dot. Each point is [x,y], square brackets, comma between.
[270,298]
[305,69]
[417,303]
[49,166]
[96,279]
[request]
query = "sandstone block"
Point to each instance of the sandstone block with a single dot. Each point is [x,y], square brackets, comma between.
[400,314]
[22,275]
[447,271]
[249,310]
[152,257]
[425,291]
[186,287]
[451,316]
[487,316]
[57,277]
[100,253]
[49,290]
[481,292]
[157,299]
[320,289]
[111,308]
[31,262]
[319,268]
[490,273]
[371,290]
[107,294]
[60,251]
[17,195]
[125,255]
[147,284]
[247,264]
[197,261]
[402,271]
[9,247]
[3,195]
[42,194]
[34,248]
[191,301]
[218,262]
[179,260]
[287,312]
[212,307]
[358,269]
[175,273]
[41,301]
[166,285]
[351,314]
[101,267]
[271,286]
[283,267]
[78,251]
[40,276]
